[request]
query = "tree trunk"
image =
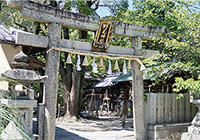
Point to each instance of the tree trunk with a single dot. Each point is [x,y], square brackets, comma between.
[82,34]
[81,89]
[77,86]
[37,28]
[66,75]
[75,95]
[72,83]
[0,5]
[124,112]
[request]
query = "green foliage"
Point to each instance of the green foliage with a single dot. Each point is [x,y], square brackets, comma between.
[84,8]
[179,96]
[191,85]
[120,41]
[74,35]
[10,17]
[117,7]
[178,46]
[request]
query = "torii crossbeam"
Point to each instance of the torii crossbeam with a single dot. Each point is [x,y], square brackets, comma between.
[57,18]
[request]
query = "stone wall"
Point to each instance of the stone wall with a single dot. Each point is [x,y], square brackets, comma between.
[166,131]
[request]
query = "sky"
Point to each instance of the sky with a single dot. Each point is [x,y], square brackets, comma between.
[104,11]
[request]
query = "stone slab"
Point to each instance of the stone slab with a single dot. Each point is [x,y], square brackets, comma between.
[167,126]
[24,76]
[31,40]
[43,13]
[11,132]
[167,131]
[84,47]
[19,103]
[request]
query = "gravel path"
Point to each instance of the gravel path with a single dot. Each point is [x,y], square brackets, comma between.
[104,128]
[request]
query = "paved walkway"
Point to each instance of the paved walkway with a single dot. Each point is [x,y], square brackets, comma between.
[101,129]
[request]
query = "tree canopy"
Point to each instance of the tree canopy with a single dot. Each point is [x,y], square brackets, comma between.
[179,46]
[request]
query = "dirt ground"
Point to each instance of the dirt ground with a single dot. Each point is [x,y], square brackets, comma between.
[103,128]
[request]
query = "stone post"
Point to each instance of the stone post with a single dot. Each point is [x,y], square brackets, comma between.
[51,85]
[138,95]
[30,111]
[41,121]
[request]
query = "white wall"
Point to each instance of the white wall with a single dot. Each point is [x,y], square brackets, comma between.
[10,51]
[7,53]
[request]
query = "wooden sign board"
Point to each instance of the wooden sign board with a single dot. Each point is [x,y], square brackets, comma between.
[103,35]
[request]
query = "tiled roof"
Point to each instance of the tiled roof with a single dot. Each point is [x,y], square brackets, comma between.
[146,75]
[7,35]
[123,77]
[128,77]
[107,81]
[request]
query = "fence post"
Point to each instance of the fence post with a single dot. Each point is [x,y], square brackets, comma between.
[187,107]
[174,108]
[160,106]
[181,110]
[152,114]
[167,108]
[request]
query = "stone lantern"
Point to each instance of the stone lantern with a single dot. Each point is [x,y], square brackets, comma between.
[23,100]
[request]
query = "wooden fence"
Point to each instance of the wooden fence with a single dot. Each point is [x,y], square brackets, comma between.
[165,108]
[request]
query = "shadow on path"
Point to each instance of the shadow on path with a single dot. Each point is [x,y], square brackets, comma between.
[62,134]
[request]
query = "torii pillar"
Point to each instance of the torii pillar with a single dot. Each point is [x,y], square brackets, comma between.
[139,123]
[51,84]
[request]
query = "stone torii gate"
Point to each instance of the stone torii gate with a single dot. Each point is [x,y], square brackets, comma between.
[57,18]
